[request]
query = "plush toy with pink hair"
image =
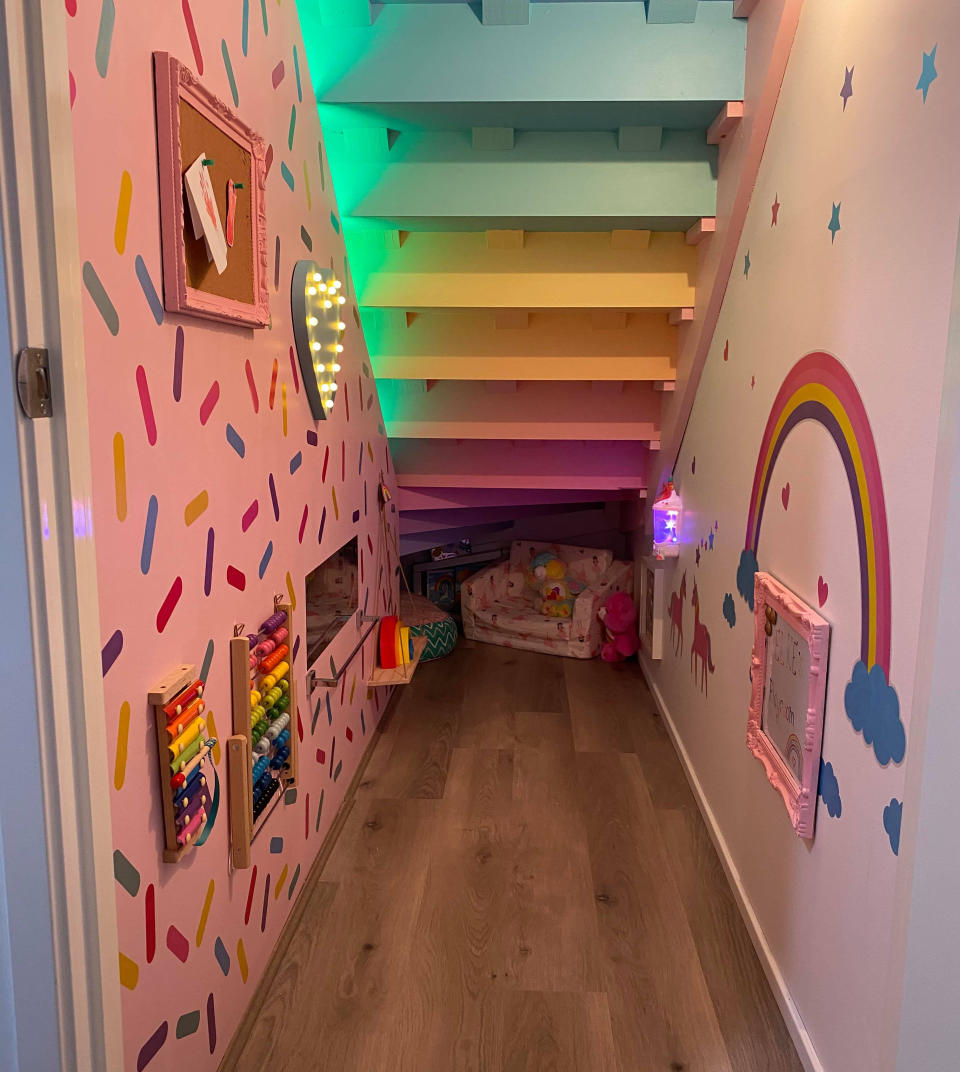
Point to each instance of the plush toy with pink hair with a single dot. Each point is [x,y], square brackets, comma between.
[619,617]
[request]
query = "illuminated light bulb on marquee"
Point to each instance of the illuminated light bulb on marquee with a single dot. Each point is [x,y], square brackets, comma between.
[317,327]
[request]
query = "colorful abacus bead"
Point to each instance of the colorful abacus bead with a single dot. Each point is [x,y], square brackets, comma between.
[279,636]
[271,660]
[273,622]
[254,697]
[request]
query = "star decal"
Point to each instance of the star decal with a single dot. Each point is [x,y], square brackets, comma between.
[929,72]
[847,91]
[726,350]
[746,264]
[774,211]
[834,225]
[698,556]
[753,382]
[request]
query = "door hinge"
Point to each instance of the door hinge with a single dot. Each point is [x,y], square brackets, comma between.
[33,382]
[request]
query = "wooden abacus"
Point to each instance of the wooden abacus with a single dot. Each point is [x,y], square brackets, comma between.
[183,748]
[262,754]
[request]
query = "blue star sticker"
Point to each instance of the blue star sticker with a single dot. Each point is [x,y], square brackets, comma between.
[929,72]
[746,264]
[847,91]
[834,225]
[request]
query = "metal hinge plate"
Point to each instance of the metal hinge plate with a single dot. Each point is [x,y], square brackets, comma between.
[33,382]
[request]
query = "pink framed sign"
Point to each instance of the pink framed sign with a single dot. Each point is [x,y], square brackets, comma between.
[212,171]
[789,677]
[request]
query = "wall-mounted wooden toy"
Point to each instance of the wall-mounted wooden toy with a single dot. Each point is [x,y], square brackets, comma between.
[187,774]
[262,754]
[194,126]
[399,654]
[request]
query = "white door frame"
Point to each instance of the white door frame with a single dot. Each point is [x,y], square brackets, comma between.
[38,221]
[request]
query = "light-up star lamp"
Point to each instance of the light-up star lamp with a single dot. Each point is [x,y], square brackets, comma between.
[318,326]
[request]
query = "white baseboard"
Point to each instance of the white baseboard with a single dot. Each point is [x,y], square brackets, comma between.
[791,1017]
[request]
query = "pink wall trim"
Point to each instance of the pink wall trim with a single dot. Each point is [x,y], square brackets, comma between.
[769,42]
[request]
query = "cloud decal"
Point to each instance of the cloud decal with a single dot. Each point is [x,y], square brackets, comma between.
[729,610]
[892,817]
[829,790]
[873,708]
[745,571]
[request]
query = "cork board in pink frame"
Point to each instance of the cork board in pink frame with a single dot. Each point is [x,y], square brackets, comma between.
[188,115]
[789,682]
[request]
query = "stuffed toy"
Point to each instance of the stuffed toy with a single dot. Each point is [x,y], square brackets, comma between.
[548,578]
[619,617]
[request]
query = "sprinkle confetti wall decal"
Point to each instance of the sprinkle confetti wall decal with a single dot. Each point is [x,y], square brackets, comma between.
[188,420]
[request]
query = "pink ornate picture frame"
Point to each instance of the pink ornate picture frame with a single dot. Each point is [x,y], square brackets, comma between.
[789,682]
[191,121]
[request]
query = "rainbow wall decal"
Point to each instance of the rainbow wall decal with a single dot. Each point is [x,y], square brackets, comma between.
[819,388]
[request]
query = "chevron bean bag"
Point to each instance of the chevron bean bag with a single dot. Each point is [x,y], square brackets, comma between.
[428,620]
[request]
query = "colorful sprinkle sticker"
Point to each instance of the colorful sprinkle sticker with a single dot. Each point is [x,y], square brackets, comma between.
[149,532]
[129,972]
[169,603]
[178,365]
[192,34]
[120,477]
[228,67]
[149,290]
[146,406]
[108,14]
[110,651]
[101,299]
[120,755]
[125,873]
[123,213]
[188,1023]
[152,1047]
[204,914]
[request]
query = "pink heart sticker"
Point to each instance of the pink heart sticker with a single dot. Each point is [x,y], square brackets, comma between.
[785,495]
[823,590]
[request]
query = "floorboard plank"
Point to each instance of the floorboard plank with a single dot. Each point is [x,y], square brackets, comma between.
[556,1032]
[522,884]
[659,1003]
[503,681]
[753,1029]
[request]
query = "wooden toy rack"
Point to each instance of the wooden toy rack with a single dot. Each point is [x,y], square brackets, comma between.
[183,751]
[264,740]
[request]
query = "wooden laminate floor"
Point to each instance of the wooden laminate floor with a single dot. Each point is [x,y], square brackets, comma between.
[523,884]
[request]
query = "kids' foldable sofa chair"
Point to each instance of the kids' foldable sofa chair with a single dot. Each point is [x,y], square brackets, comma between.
[501,604]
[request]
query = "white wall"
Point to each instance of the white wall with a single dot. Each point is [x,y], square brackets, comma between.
[929,1025]
[877,297]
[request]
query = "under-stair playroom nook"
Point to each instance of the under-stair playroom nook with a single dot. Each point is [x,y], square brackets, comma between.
[484,524]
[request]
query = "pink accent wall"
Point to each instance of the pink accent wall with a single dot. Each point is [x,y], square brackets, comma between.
[214,416]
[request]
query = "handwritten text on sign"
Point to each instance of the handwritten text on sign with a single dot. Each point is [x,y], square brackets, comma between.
[786,691]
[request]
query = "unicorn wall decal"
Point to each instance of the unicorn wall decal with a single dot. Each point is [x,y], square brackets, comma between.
[676,615]
[700,645]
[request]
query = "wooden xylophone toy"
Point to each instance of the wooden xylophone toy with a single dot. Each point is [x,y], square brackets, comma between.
[262,753]
[187,774]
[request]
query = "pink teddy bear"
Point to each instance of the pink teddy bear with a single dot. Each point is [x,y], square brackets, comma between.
[619,617]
